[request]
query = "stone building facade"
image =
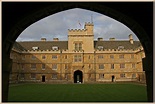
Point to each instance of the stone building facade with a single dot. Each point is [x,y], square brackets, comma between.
[81,59]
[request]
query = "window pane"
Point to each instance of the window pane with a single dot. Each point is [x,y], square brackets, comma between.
[54,76]
[112,66]
[54,66]
[54,56]
[33,57]
[111,56]
[33,66]
[43,66]
[33,76]
[43,57]
[121,56]
[101,66]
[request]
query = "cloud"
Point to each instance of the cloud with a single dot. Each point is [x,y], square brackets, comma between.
[57,25]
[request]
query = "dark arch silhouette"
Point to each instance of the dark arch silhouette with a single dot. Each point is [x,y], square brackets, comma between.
[78,76]
[112,78]
[18,16]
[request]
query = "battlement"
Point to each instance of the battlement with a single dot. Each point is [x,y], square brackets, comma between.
[119,50]
[87,30]
[89,24]
[81,51]
[76,30]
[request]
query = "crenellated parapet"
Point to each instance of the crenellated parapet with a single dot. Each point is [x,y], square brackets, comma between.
[89,24]
[46,51]
[88,30]
[119,50]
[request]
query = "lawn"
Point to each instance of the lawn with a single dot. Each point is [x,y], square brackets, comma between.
[77,93]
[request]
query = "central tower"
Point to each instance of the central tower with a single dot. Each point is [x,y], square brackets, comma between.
[81,39]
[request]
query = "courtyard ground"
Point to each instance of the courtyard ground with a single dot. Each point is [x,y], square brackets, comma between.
[109,92]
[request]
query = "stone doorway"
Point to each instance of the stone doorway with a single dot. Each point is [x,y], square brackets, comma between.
[113,78]
[43,78]
[78,77]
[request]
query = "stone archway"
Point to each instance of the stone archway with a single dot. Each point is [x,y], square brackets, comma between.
[12,27]
[78,76]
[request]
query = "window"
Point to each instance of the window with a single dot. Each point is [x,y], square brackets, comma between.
[33,76]
[100,47]
[134,75]
[77,58]
[22,65]
[66,76]
[121,56]
[55,48]
[132,56]
[122,75]
[33,66]
[65,56]
[120,47]
[35,48]
[54,56]
[33,57]
[54,66]
[78,46]
[111,56]
[112,66]
[43,57]
[89,57]
[43,66]
[101,76]
[23,57]
[66,66]
[100,56]
[22,76]
[54,76]
[133,65]
[89,66]
[101,66]
[122,65]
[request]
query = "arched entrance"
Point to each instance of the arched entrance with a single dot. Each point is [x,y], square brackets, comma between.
[78,76]
[113,78]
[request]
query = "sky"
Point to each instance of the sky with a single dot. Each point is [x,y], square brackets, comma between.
[57,25]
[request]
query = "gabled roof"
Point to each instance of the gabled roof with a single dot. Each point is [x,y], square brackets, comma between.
[47,45]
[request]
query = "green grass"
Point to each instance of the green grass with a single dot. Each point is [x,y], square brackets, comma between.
[77,93]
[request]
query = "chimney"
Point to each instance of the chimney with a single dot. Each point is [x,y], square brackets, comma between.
[100,39]
[43,39]
[55,39]
[112,39]
[131,39]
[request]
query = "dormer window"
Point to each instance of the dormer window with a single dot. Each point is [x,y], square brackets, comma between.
[100,47]
[120,47]
[55,48]
[35,48]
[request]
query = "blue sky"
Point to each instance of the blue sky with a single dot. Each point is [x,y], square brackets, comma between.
[57,25]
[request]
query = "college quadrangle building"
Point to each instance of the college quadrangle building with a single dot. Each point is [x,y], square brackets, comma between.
[78,60]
